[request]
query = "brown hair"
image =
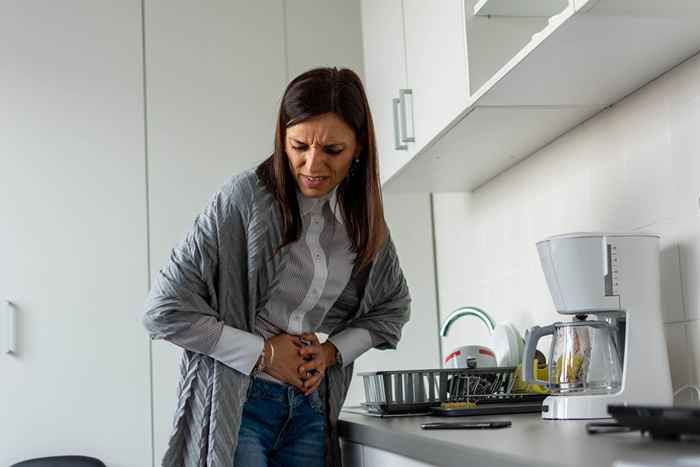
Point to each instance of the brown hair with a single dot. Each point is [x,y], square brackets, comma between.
[316,92]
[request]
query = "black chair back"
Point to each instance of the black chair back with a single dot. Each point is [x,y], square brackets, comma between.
[62,461]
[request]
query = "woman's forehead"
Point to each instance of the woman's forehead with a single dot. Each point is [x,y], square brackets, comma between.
[323,128]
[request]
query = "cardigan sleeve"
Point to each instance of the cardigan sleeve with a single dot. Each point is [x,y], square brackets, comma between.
[390,309]
[182,306]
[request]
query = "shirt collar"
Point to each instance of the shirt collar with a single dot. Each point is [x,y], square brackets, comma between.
[307,205]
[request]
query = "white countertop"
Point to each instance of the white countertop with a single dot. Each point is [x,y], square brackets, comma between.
[531,441]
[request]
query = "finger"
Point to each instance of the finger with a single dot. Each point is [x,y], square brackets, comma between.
[310,391]
[296,381]
[306,374]
[294,340]
[310,350]
[311,365]
[311,384]
[312,337]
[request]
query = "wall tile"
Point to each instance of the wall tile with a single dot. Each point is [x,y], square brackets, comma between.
[680,359]
[672,308]
[685,159]
[684,234]
[682,107]
[693,336]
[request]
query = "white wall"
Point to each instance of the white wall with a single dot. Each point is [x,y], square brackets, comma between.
[635,166]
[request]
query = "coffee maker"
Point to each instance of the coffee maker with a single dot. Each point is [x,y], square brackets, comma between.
[613,349]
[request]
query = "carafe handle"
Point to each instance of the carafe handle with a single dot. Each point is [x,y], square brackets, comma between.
[532,336]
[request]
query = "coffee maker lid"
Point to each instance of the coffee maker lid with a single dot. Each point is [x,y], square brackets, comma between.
[599,235]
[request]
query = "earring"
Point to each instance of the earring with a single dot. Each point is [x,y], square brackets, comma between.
[355,164]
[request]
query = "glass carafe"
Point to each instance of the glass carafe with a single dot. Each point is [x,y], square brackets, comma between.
[584,358]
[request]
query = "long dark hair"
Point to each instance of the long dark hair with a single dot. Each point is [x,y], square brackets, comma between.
[316,92]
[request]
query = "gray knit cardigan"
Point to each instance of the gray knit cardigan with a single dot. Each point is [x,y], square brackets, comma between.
[220,274]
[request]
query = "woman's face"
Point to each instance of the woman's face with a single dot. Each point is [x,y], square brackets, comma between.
[320,151]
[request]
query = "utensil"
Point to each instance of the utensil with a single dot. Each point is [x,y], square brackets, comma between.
[507,344]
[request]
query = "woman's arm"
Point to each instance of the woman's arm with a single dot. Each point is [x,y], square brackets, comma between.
[391,303]
[182,305]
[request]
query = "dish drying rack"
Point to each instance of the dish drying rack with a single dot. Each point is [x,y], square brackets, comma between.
[408,391]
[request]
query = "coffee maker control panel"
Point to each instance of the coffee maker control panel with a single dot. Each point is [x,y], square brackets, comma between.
[612,276]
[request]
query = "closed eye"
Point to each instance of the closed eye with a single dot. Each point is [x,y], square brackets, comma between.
[332,150]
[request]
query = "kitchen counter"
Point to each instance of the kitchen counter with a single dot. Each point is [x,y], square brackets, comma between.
[531,441]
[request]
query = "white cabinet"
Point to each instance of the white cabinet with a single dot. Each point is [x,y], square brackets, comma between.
[73,232]
[385,76]
[550,64]
[360,455]
[373,457]
[415,68]
[518,8]
[437,64]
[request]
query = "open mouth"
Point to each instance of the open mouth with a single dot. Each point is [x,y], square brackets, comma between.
[313,182]
[314,179]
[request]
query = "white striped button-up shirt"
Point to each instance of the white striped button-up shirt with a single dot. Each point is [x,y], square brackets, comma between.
[318,268]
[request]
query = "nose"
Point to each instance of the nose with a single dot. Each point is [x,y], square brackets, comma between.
[314,158]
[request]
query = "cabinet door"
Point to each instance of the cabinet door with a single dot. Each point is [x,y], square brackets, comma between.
[215,76]
[73,232]
[351,454]
[373,457]
[385,75]
[436,63]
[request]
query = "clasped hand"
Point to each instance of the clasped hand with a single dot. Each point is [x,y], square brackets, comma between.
[302,365]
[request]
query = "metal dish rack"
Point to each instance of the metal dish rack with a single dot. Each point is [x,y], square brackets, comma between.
[393,392]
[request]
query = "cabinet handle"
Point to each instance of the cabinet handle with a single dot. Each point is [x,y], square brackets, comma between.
[11,325]
[404,95]
[397,138]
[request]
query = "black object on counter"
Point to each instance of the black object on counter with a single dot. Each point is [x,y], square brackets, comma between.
[602,428]
[661,422]
[481,425]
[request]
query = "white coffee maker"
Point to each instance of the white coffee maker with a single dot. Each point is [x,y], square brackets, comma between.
[613,350]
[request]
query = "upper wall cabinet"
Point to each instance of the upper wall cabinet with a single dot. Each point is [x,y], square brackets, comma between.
[531,72]
[385,77]
[436,64]
[415,68]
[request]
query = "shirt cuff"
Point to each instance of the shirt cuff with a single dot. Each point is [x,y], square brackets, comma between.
[238,349]
[351,343]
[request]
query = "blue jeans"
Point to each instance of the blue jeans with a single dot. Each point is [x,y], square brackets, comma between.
[280,427]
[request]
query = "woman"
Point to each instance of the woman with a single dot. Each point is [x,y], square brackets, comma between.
[297,246]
